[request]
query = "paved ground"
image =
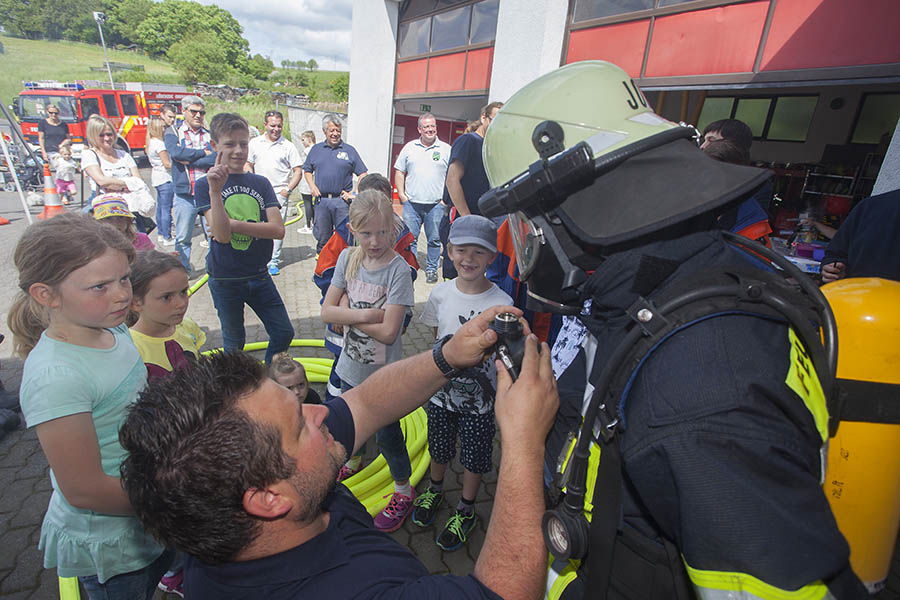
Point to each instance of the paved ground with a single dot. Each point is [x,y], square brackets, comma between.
[24,479]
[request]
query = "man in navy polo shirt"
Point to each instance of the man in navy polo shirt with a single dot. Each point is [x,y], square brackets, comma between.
[421,169]
[227,466]
[329,170]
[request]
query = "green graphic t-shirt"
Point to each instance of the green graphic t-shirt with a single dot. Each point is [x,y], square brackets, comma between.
[246,198]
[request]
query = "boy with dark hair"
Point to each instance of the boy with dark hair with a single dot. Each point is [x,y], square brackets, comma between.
[244,218]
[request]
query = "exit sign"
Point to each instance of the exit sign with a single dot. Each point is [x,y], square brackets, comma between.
[425,107]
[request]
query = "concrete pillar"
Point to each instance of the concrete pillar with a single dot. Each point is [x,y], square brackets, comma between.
[373,58]
[889,175]
[529,43]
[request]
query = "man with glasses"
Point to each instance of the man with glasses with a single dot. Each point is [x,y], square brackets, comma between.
[278,160]
[329,170]
[51,133]
[191,155]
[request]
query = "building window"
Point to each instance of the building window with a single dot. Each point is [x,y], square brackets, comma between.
[473,23]
[484,21]
[109,103]
[413,37]
[772,118]
[450,29]
[753,112]
[877,116]
[791,118]
[129,105]
[586,10]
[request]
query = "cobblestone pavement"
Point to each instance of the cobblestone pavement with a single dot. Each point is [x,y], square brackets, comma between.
[24,475]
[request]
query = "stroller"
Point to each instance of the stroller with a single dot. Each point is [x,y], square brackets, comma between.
[27,165]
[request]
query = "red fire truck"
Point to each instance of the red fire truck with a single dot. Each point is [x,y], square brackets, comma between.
[129,107]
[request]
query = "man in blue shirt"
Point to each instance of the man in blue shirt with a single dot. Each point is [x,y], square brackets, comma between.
[329,170]
[227,466]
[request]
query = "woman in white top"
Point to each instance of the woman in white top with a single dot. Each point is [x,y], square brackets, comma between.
[161,179]
[106,165]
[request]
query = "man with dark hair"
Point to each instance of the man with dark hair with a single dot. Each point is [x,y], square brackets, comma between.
[728,129]
[329,169]
[227,466]
[421,169]
[466,180]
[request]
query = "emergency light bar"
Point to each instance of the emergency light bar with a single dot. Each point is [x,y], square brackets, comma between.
[52,85]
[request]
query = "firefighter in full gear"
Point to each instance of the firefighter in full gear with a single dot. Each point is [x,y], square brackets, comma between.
[687,456]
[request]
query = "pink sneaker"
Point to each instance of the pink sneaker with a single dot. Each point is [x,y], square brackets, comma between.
[346,472]
[393,515]
[173,585]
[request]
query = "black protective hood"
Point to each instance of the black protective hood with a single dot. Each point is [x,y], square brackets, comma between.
[653,191]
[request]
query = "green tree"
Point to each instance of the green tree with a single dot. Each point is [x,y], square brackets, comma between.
[199,58]
[172,22]
[340,87]
[312,65]
[260,66]
[124,17]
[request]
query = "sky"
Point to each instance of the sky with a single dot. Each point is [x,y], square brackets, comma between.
[295,29]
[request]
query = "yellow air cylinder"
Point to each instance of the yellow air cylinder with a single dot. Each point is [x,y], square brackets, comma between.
[862,480]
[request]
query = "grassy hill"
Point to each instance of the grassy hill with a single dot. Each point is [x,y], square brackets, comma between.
[25,60]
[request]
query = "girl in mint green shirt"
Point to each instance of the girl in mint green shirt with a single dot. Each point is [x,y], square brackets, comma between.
[81,373]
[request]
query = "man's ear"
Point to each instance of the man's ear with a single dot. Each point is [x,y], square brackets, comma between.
[44,295]
[266,503]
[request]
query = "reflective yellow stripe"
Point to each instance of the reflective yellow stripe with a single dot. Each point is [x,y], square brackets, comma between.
[127,124]
[557,582]
[722,585]
[593,465]
[802,378]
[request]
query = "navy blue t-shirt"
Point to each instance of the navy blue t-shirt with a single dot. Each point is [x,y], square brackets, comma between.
[246,197]
[467,150]
[868,242]
[350,559]
[334,167]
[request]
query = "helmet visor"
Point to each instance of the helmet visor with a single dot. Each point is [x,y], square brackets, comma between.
[527,239]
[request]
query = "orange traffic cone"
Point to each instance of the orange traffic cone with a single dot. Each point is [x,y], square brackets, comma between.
[4,221]
[52,204]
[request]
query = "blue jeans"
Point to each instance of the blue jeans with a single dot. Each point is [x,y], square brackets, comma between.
[260,294]
[392,446]
[164,195]
[129,586]
[277,244]
[185,217]
[415,215]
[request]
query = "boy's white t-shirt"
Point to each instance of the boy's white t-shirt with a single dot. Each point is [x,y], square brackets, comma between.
[448,309]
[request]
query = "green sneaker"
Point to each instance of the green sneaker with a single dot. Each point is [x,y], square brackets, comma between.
[427,506]
[456,530]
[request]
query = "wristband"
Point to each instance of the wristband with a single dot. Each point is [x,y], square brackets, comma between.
[437,352]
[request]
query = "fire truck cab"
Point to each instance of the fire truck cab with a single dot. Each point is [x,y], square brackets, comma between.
[129,108]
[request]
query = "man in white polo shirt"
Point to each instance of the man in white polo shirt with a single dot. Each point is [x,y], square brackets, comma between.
[421,171]
[278,160]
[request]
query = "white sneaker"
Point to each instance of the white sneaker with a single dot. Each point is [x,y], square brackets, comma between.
[304,230]
[161,241]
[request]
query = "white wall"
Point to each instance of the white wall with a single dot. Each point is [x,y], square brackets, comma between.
[529,43]
[889,175]
[373,55]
